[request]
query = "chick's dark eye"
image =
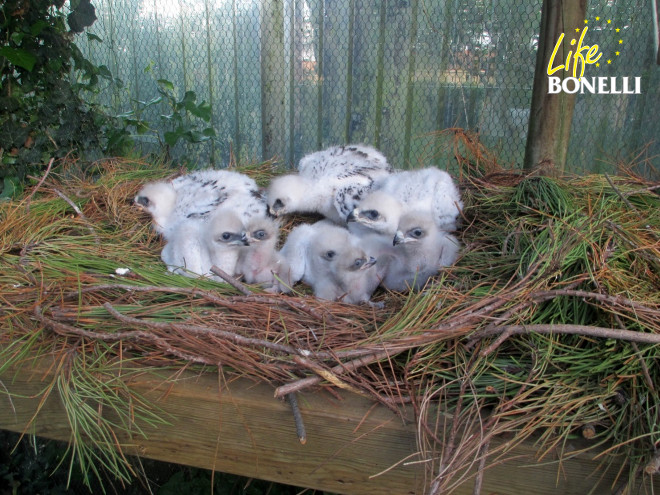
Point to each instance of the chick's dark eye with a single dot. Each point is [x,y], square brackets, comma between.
[417,233]
[278,203]
[372,214]
[358,263]
[226,236]
[329,255]
[259,234]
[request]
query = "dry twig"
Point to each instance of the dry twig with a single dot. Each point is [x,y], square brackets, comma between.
[41,181]
[340,368]
[297,417]
[231,280]
[587,331]
[79,212]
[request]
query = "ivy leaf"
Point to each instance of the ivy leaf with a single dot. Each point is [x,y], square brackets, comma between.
[188,101]
[19,57]
[154,101]
[91,36]
[9,187]
[171,137]
[126,115]
[167,84]
[17,38]
[142,127]
[37,27]
[203,110]
[104,72]
[196,137]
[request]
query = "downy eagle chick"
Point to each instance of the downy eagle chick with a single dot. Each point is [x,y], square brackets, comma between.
[420,250]
[428,189]
[328,258]
[330,182]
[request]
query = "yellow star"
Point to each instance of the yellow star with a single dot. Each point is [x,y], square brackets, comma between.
[598,18]
[577,30]
[609,61]
[617,53]
[586,21]
[620,41]
[609,21]
[618,29]
[597,64]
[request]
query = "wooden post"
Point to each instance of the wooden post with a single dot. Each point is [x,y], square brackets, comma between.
[273,80]
[551,114]
[656,29]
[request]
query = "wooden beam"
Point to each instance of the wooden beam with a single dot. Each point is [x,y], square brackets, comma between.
[240,428]
[551,114]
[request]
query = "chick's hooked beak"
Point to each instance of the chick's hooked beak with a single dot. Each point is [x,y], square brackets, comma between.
[238,239]
[352,216]
[370,262]
[276,208]
[399,238]
[272,212]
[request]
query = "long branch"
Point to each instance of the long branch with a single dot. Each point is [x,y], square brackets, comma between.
[336,370]
[216,270]
[589,331]
[620,300]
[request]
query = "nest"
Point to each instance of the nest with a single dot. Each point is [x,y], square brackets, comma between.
[547,326]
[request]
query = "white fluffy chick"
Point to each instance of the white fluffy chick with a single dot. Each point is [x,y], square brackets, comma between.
[425,189]
[294,250]
[330,182]
[224,235]
[260,262]
[186,253]
[158,199]
[195,246]
[378,212]
[420,250]
[196,196]
[329,259]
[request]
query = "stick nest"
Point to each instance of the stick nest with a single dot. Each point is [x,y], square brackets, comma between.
[547,326]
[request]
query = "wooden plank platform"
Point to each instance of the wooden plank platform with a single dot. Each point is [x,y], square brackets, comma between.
[240,428]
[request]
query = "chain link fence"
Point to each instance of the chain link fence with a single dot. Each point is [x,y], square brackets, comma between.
[286,77]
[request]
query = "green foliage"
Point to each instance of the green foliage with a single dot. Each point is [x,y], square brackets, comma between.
[184,120]
[42,115]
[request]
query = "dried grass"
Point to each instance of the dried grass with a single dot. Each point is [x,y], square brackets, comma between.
[548,323]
